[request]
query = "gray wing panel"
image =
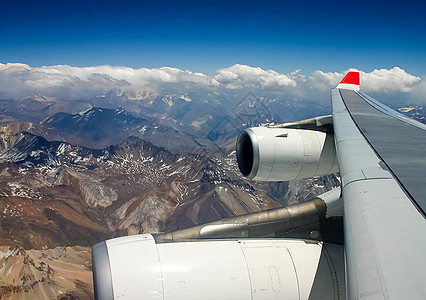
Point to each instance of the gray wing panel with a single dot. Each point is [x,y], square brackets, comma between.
[401,145]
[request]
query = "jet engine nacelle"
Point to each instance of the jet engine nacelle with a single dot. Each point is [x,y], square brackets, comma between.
[283,154]
[136,267]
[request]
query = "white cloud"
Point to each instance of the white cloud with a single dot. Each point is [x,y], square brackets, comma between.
[242,76]
[419,91]
[322,81]
[20,80]
[66,82]
[388,81]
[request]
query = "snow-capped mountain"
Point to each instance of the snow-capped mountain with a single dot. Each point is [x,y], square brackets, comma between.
[176,120]
[61,194]
[101,127]
[416,112]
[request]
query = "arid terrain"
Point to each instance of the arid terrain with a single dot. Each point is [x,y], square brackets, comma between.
[55,196]
[58,273]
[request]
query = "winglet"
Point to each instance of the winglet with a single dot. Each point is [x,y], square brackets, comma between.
[350,81]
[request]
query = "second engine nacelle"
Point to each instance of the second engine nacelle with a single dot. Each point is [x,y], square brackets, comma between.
[283,154]
[137,267]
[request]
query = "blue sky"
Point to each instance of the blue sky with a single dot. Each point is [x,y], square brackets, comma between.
[206,36]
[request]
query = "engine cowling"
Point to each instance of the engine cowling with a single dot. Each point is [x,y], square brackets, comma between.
[137,267]
[283,154]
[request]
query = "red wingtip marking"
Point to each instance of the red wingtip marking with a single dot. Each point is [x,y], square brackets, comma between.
[351,78]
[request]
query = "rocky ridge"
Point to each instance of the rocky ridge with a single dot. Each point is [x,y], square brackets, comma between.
[53,193]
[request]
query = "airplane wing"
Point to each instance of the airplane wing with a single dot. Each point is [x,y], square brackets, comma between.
[295,252]
[382,161]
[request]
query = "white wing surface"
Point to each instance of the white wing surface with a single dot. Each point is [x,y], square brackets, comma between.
[383,168]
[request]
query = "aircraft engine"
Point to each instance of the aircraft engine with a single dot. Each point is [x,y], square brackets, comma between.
[137,267]
[283,154]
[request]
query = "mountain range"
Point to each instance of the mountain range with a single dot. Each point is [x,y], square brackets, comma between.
[176,120]
[73,174]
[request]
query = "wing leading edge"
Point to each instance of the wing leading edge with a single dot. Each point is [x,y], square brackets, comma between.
[382,165]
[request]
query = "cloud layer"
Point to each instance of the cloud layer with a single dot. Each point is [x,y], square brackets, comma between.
[383,80]
[242,76]
[66,82]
